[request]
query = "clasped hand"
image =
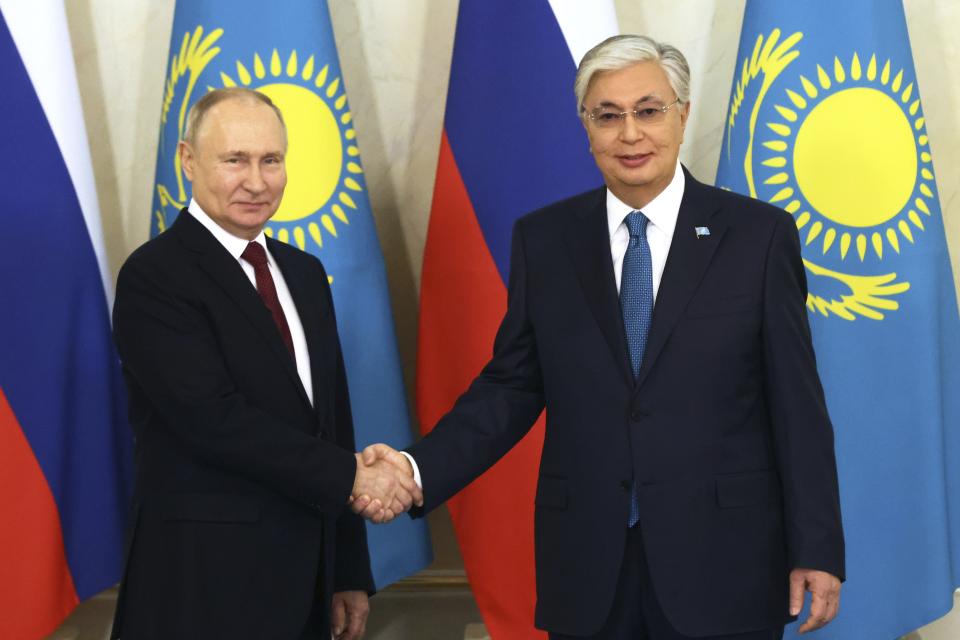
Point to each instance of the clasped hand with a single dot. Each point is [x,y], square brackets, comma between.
[384,486]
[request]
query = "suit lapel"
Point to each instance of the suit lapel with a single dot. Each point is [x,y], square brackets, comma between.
[687,262]
[223,269]
[311,307]
[588,239]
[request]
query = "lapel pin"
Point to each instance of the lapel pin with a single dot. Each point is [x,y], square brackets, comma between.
[701,231]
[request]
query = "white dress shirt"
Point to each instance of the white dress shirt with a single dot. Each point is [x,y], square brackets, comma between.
[662,213]
[235,247]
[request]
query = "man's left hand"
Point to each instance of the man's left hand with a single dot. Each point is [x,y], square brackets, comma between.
[824,590]
[349,614]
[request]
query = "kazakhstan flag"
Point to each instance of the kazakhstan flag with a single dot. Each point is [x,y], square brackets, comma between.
[288,52]
[826,121]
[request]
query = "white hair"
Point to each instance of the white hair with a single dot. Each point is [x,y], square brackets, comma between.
[619,52]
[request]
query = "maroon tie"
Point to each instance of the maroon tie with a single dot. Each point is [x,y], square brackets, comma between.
[257,256]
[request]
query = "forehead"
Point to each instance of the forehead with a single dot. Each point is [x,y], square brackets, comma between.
[629,85]
[241,124]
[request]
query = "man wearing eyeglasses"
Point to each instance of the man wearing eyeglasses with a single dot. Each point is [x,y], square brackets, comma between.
[688,486]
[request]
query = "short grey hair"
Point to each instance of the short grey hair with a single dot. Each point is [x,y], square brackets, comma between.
[202,106]
[619,52]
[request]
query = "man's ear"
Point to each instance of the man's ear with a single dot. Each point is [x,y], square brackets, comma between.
[684,113]
[187,158]
[684,116]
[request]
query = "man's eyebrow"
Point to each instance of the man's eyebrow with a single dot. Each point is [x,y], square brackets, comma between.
[609,103]
[649,97]
[234,154]
[646,98]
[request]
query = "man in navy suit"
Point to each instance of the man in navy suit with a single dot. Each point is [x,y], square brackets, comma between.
[687,486]
[245,463]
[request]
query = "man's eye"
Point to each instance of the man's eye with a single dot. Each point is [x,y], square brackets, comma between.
[607,116]
[648,112]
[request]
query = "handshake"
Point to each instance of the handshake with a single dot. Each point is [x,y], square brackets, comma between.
[384,486]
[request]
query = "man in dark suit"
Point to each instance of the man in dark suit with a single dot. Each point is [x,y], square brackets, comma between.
[238,399]
[687,484]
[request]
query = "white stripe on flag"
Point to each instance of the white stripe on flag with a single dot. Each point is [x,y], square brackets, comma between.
[585,24]
[39,29]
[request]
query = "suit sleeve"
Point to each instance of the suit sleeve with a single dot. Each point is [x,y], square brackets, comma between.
[171,354]
[497,410]
[802,431]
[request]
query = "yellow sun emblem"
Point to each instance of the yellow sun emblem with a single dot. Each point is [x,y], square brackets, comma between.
[845,151]
[854,158]
[323,161]
[320,176]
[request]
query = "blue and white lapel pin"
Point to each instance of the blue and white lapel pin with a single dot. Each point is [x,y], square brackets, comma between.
[701,231]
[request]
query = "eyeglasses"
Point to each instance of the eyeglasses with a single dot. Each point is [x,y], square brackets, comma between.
[645,113]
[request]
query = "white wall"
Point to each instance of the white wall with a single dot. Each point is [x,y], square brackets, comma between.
[395,57]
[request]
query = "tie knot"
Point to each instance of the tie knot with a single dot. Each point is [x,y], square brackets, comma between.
[255,255]
[636,223]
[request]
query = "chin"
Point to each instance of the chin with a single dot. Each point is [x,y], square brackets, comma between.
[637,181]
[648,178]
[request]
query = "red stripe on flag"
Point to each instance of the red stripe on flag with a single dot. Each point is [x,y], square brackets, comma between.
[36,588]
[462,300]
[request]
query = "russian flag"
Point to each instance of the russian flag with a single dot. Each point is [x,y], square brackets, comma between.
[64,446]
[512,142]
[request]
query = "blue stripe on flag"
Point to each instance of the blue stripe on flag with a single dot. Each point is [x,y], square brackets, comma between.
[517,138]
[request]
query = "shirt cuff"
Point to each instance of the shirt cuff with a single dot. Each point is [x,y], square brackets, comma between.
[416,469]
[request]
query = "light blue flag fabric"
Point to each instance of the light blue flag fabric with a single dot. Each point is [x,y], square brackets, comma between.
[289,54]
[825,121]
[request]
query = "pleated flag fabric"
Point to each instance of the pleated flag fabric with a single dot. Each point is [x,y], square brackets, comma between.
[826,121]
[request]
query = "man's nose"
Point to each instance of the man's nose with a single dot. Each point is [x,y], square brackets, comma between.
[630,129]
[254,182]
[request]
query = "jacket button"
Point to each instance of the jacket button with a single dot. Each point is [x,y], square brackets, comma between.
[625,485]
[637,415]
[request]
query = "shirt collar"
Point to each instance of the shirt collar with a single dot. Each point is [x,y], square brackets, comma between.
[234,245]
[662,211]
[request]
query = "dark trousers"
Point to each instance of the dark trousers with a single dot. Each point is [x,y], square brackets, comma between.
[636,614]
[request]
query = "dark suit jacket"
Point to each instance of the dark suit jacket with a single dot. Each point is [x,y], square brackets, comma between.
[725,432]
[238,524]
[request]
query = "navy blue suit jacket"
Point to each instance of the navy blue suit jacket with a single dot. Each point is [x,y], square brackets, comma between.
[725,432]
[238,526]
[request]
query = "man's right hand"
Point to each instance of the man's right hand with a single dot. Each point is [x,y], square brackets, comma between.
[383,488]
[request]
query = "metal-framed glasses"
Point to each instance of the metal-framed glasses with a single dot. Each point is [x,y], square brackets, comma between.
[645,113]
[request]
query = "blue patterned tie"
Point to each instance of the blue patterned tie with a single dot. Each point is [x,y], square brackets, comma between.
[636,303]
